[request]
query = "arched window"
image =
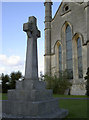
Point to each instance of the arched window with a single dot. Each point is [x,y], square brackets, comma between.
[60,58]
[69,61]
[79,55]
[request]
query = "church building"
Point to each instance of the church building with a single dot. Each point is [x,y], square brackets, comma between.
[66,41]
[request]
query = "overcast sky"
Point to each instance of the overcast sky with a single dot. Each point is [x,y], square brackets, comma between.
[14,40]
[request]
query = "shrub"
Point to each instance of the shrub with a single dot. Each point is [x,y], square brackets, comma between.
[58,84]
[87,78]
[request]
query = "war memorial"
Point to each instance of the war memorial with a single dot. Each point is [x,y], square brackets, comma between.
[31,99]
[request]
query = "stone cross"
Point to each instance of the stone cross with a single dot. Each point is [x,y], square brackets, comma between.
[31,68]
[31,99]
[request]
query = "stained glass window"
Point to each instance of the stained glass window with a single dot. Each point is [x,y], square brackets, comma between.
[69,60]
[60,58]
[79,54]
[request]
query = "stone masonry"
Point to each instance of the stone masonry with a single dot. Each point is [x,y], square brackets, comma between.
[30,99]
[74,14]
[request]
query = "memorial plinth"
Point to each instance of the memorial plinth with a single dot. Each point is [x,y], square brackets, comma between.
[31,99]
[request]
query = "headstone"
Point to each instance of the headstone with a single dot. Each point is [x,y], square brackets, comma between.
[31,99]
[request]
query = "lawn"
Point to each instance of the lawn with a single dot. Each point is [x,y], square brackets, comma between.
[77,107]
[70,96]
[4,96]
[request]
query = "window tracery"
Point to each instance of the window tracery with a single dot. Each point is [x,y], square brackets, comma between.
[60,58]
[69,61]
[79,56]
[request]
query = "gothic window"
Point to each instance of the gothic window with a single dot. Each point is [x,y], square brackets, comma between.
[79,54]
[60,58]
[69,61]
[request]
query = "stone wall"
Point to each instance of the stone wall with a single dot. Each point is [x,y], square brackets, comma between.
[76,17]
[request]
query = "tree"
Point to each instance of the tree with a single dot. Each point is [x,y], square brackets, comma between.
[87,78]
[9,81]
[5,80]
[13,77]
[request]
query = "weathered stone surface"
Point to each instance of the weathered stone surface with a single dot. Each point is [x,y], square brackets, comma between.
[48,18]
[77,18]
[31,99]
[31,69]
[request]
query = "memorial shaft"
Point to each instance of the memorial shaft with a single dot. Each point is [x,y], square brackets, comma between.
[31,68]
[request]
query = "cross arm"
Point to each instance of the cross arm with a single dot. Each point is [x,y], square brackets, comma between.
[27,27]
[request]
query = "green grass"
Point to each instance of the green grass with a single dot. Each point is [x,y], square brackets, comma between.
[77,108]
[3,96]
[70,96]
